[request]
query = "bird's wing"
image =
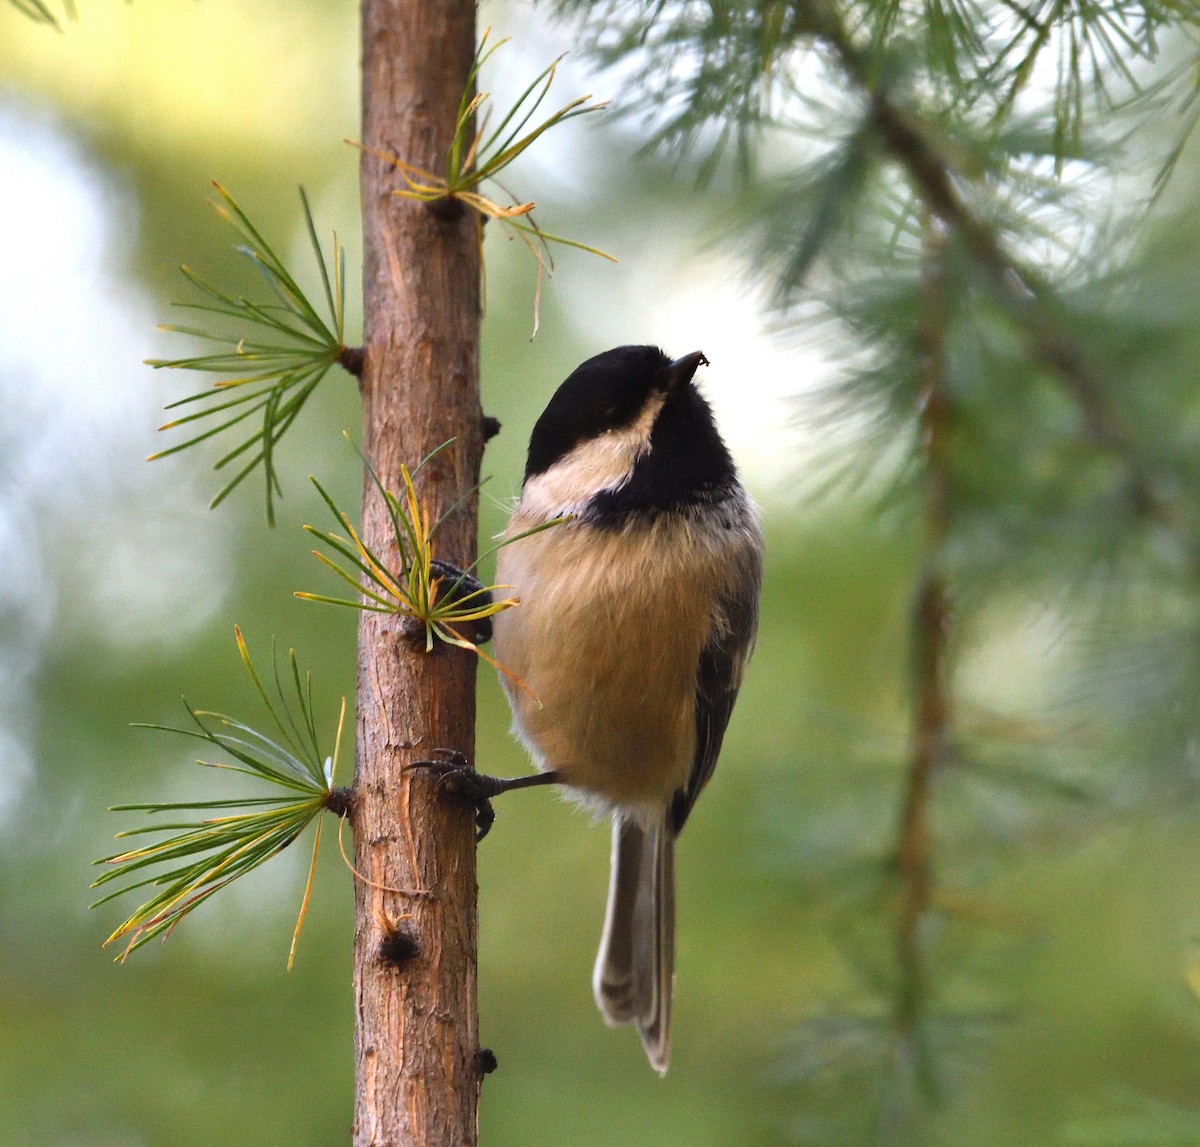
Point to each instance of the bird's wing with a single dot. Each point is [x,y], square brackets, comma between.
[722,662]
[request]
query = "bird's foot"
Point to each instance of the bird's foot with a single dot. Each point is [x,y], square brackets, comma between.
[459,586]
[453,773]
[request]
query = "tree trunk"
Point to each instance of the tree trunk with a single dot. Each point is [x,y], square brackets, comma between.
[416,1046]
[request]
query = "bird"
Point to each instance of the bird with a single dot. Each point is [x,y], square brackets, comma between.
[636,556]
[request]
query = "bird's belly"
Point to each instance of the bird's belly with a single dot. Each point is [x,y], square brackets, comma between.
[605,645]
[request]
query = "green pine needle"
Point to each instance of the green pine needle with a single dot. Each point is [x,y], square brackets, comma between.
[279,353]
[477,156]
[202,856]
[40,13]
[414,589]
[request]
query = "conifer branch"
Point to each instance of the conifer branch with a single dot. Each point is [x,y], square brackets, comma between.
[930,633]
[909,140]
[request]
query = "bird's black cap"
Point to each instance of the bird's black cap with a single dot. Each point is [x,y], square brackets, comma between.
[604,393]
[686,463]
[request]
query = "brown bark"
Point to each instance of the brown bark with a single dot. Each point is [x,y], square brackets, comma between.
[416,1043]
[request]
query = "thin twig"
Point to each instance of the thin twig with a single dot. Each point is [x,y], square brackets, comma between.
[930,630]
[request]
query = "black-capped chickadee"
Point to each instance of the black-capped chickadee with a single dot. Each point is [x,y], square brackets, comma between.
[636,618]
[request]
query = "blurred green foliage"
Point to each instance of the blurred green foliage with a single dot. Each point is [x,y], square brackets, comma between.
[40,13]
[1065,942]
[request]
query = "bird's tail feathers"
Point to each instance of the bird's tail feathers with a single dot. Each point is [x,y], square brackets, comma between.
[635,969]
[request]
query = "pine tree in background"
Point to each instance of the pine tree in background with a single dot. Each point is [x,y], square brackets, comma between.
[967,199]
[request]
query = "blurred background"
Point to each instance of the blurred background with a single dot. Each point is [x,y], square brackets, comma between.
[1033,977]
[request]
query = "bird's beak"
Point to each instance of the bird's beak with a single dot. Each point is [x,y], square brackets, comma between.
[680,372]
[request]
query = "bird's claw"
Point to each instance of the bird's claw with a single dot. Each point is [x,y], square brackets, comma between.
[453,773]
[457,585]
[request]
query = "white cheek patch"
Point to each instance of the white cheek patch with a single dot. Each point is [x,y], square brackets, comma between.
[598,464]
